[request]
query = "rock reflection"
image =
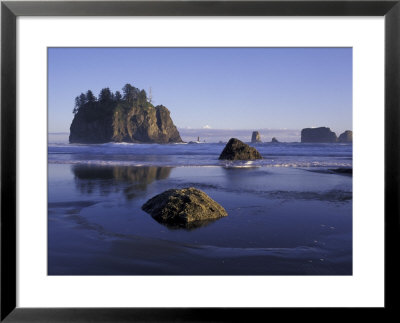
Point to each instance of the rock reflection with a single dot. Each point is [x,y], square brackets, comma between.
[131,180]
[187,226]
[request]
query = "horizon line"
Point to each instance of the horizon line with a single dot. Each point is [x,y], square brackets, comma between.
[222,129]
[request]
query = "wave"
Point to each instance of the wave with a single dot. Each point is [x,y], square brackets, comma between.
[205,154]
[206,163]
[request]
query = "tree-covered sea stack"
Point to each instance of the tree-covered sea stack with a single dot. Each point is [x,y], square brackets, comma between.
[126,117]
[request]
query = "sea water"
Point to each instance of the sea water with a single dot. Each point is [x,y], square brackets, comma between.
[288,214]
[197,154]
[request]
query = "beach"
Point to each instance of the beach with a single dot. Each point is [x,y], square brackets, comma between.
[288,214]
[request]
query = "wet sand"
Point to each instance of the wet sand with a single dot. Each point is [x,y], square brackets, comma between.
[282,221]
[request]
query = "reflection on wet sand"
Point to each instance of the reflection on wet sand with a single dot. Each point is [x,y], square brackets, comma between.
[131,180]
[187,226]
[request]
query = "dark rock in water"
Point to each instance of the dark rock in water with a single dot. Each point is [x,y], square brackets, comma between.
[188,207]
[255,137]
[274,140]
[238,150]
[318,135]
[346,137]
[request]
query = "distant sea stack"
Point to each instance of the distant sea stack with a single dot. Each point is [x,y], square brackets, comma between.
[127,117]
[346,137]
[318,135]
[274,140]
[255,137]
[238,150]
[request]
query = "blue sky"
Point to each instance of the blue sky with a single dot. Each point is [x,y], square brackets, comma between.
[221,88]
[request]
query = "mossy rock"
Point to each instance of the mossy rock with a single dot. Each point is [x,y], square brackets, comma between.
[187,207]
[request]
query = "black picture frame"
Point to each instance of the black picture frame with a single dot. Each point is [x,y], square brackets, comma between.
[10,10]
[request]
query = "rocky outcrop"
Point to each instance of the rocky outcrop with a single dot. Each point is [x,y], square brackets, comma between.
[149,124]
[188,208]
[274,140]
[131,118]
[91,130]
[346,137]
[238,150]
[318,135]
[143,125]
[255,137]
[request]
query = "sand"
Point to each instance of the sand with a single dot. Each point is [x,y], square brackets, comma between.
[281,221]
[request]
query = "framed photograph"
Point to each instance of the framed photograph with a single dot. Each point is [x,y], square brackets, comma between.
[193,160]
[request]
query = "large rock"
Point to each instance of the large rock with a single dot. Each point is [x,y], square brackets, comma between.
[188,207]
[318,135]
[238,150]
[274,140]
[346,137]
[131,118]
[91,130]
[143,125]
[255,137]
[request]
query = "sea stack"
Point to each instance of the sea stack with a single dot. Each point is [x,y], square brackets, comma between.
[238,150]
[116,118]
[188,207]
[255,137]
[318,135]
[274,140]
[346,137]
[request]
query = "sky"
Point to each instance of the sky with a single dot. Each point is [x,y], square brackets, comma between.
[213,88]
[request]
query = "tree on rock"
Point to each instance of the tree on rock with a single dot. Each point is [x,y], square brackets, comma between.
[130,93]
[117,96]
[105,95]
[90,98]
[76,107]
[150,98]
[82,100]
[142,98]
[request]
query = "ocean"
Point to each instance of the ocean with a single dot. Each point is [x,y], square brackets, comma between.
[288,214]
